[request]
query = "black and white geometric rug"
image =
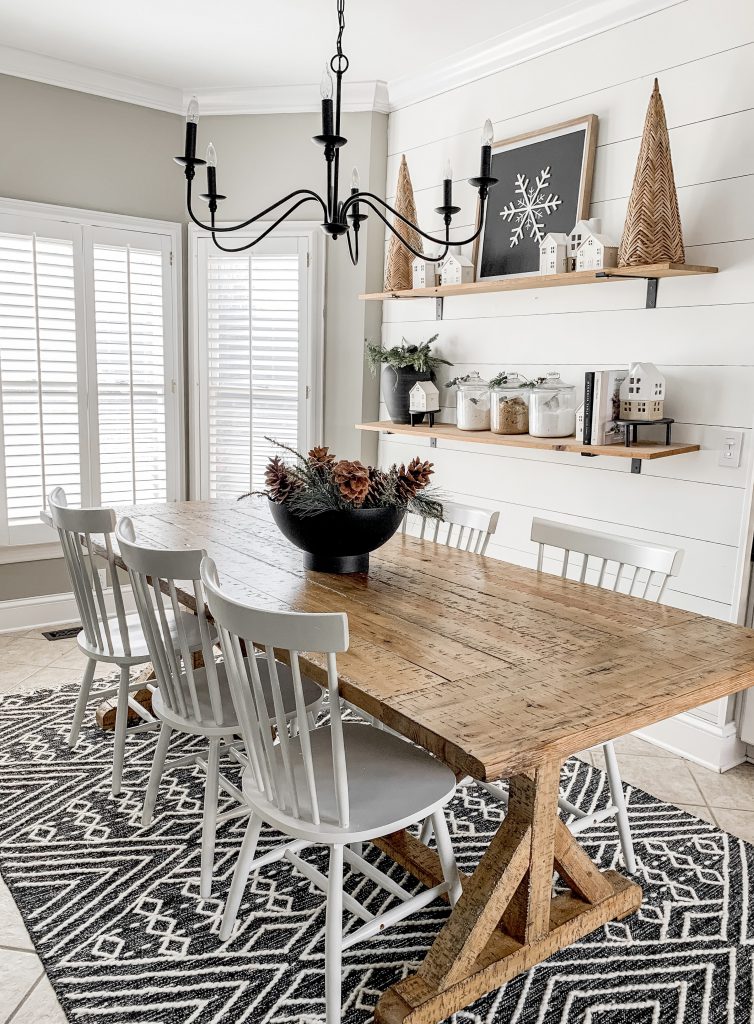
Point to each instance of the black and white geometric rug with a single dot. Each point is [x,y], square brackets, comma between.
[115,914]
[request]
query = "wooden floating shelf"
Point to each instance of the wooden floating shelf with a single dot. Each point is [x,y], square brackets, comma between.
[651,272]
[450,432]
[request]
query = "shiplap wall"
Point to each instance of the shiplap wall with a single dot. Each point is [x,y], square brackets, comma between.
[700,335]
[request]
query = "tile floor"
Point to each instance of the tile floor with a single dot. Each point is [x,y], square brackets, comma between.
[28,661]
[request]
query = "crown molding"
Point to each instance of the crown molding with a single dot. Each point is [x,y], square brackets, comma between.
[287,99]
[577,21]
[65,75]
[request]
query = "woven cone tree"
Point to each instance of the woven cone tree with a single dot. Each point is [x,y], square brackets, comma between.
[652,232]
[398,274]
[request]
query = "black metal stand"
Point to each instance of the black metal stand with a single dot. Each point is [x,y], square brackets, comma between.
[632,427]
[418,417]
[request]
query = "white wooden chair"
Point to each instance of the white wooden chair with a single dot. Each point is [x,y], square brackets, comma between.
[626,566]
[462,526]
[191,699]
[336,785]
[114,639]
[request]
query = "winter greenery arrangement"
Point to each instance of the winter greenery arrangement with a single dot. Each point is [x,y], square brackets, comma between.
[405,356]
[499,380]
[318,482]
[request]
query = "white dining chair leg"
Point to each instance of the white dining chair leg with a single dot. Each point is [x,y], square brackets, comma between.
[209,824]
[334,936]
[83,698]
[447,856]
[311,720]
[240,876]
[426,831]
[357,848]
[618,798]
[155,775]
[121,725]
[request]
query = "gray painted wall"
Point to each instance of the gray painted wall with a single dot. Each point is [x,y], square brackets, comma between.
[73,149]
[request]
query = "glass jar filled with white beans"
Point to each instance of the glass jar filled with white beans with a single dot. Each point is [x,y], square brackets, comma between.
[552,408]
[473,403]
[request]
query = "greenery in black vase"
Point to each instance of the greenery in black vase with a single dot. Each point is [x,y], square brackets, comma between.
[318,482]
[405,356]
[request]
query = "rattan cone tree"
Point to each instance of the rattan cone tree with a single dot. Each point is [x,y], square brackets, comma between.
[652,232]
[398,263]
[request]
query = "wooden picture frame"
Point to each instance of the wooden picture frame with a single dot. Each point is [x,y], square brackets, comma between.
[530,150]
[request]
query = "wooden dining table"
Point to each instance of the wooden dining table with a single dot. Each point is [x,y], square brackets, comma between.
[502,673]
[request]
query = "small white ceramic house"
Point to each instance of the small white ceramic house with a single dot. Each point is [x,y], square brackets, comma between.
[423,397]
[578,233]
[553,253]
[456,269]
[642,393]
[596,252]
[423,273]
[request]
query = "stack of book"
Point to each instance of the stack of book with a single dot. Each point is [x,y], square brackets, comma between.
[602,406]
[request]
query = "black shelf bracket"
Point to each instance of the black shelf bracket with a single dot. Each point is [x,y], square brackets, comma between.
[438,307]
[636,465]
[652,283]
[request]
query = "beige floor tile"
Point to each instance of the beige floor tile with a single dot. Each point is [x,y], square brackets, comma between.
[40,1007]
[31,651]
[640,748]
[71,657]
[18,972]
[739,823]
[733,789]
[668,779]
[12,677]
[585,755]
[12,929]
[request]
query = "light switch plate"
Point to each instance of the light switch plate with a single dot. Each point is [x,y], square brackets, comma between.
[730,450]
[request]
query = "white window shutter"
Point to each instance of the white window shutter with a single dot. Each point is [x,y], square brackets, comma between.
[39,374]
[253,332]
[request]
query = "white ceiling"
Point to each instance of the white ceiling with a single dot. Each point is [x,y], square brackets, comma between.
[232,44]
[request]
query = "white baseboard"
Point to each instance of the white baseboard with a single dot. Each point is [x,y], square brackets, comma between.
[712,746]
[50,610]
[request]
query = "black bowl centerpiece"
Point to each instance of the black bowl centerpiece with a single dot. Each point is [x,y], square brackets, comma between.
[338,511]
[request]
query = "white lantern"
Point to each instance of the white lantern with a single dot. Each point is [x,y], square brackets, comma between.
[423,398]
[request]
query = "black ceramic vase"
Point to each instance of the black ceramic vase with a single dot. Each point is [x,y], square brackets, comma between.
[338,541]
[396,386]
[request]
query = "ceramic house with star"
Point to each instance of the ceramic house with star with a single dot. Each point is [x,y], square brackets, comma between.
[642,393]
[596,252]
[553,253]
[456,269]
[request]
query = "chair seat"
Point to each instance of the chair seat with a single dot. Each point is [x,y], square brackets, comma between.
[136,638]
[391,784]
[313,695]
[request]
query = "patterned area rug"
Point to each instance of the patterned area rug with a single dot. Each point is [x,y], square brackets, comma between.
[115,914]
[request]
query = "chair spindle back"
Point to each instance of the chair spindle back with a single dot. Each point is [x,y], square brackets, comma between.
[640,567]
[154,573]
[76,527]
[284,773]
[462,527]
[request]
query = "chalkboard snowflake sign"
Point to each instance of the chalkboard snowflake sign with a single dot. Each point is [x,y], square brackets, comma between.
[544,186]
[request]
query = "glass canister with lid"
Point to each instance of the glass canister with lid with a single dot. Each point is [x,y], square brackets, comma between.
[509,404]
[552,408]
[473,403]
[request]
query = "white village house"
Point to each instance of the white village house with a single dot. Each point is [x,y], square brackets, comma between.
[595,252]
[423,272]
[424,397]
[456,269]
[553,253]
[578,233]
[642,393]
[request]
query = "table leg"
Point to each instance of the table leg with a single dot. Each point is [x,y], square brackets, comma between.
[507,919]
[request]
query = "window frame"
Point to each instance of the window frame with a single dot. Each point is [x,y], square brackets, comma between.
[30,541]
[314,238]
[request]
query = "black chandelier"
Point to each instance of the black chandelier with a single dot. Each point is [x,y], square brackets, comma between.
[340,218]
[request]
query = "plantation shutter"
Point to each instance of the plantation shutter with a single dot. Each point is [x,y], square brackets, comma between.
[40,360]
[253,361]
[132,382]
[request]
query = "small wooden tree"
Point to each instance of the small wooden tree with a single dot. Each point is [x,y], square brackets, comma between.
[398,273]
[652,232]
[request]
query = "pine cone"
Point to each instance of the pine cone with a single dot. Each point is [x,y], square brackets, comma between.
[414,479]
[321,457]
[377,481]
[352,480]
[278,480]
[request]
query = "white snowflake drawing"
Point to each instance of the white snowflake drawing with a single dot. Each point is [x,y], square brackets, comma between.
[529,207]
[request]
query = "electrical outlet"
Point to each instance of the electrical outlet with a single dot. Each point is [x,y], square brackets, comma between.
[730,453]
[102,573]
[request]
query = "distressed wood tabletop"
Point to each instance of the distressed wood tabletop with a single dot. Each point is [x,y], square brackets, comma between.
[493,667]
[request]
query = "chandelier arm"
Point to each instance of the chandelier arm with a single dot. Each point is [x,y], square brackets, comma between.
[238,227]
[254,241]
[411,249]
[354,258]
[365,196]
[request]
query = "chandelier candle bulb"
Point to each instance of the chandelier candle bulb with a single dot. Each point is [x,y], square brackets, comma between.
[192,120]
[447,184]
[326,89]
[486,163]
[211,171]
